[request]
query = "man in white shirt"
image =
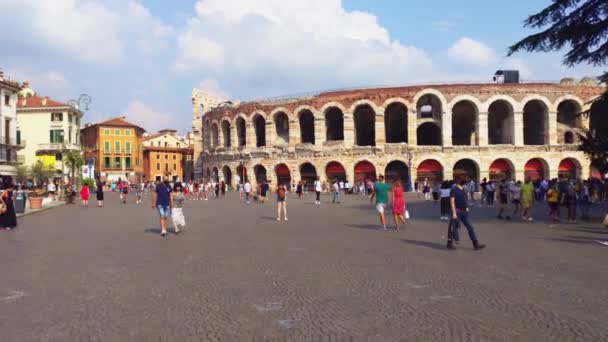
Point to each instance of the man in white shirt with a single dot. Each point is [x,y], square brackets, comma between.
[336,192]
[247,190]
[318,189]
[51,190]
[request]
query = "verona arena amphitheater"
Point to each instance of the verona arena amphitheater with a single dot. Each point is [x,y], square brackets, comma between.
[448,131]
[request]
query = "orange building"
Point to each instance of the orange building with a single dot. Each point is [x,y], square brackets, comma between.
[115,149]
[167,155]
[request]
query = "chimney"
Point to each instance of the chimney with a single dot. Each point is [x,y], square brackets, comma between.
[44,99]
[26,84]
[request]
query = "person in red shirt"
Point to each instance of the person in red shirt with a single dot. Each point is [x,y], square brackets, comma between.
[84,194]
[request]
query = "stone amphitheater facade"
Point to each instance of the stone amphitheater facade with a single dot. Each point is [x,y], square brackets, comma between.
[447,131]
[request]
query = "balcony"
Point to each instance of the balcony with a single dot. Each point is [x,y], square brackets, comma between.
[115,151]
[9,141]
[58,147]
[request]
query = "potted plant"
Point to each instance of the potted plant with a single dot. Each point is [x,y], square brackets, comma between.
[35,198]
[40,173]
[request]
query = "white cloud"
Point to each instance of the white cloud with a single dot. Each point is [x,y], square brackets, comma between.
[137,112]
[91,31]
[471,52]
[47,83]
[212,87]
[276,46]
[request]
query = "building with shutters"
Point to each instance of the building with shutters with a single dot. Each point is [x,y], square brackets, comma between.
[167,155]
[10,144]
[434,132]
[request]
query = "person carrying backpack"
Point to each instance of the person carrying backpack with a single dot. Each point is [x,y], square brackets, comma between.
[281,202]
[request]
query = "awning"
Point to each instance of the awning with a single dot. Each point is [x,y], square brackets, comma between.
[335,168]
[365,167]
[500,165]
[534,165]
[567,165]
[282,170]
[430,165]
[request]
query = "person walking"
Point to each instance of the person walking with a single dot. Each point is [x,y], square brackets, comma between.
[426,189]
[247,191]
[282,202]
[553,202]
[380,194]
[460,213]
[444,194]
[84,194]
[217,190]
[515,199]
[139,189]
[223,188]
[336,192]
[299,190]
[569,201]
[398,207]
[503,198]
[161,201]
[527,198]
[177,211]
[263,191]
[490,192]
[124,192]
[99,192]
[584,200]
[8,218]
[51,189]
[318,189]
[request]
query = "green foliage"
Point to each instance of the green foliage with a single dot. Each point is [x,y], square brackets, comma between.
[22,173]
[74,161]
[41,173]
[88,181]
[580,26]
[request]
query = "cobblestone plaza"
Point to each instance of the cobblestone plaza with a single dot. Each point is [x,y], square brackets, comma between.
[90,274]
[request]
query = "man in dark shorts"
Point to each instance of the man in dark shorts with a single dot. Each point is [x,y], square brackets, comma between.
[263,191]
[503,198]
[460,212]
[161,201]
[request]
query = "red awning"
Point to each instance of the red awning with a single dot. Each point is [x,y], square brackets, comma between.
[567,165]
[282,170]
[500,165]
[430,165]
[534,165]
[365,167]
[335,168]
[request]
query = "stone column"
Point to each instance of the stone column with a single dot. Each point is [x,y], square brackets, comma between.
[482,129]
[518,129]
[350,174]
[234,140]
[446,130]
[320,134]
[412,125]
[519,174]
[379,130]
[270,133]
[220,137]
[349,130]
[552,129]
[250,140]
[294,132]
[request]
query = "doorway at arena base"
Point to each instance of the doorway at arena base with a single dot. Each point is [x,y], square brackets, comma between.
[335,172]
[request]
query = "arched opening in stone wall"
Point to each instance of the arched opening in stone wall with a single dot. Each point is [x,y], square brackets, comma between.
[429,170]
[226,133]
[215,135]
[335,171]
[281,122]
[395,123]
[207,134]
[535,123]
[501,169]
[216,175]
[429,107]
[227,175]
[598,119]
[595,171]
[308,175]
[464,118]
[334,124]
[259,124]
[260,173]
[283,175]
[241,131]
[397,170]
[466,169]
[535,169]
[567,114]
[500,123]
[569,168]
[428,134]
[307,127]
[241,173]
[365,125]
[365,170]
[568,138]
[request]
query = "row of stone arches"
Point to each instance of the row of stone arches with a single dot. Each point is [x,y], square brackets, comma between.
[465,125]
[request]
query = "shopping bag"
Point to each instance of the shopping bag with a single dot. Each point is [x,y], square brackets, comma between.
[407,215]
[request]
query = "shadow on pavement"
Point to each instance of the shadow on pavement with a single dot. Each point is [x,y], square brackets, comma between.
[428,244]
[364,226]
[152,230]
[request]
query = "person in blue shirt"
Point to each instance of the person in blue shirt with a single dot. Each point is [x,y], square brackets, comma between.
[460,212]
[162,202]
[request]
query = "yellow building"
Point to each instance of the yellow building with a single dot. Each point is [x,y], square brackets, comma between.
[50,128]
[167,155]
[114,147]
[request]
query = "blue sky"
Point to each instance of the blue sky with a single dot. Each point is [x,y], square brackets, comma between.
[142,58]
